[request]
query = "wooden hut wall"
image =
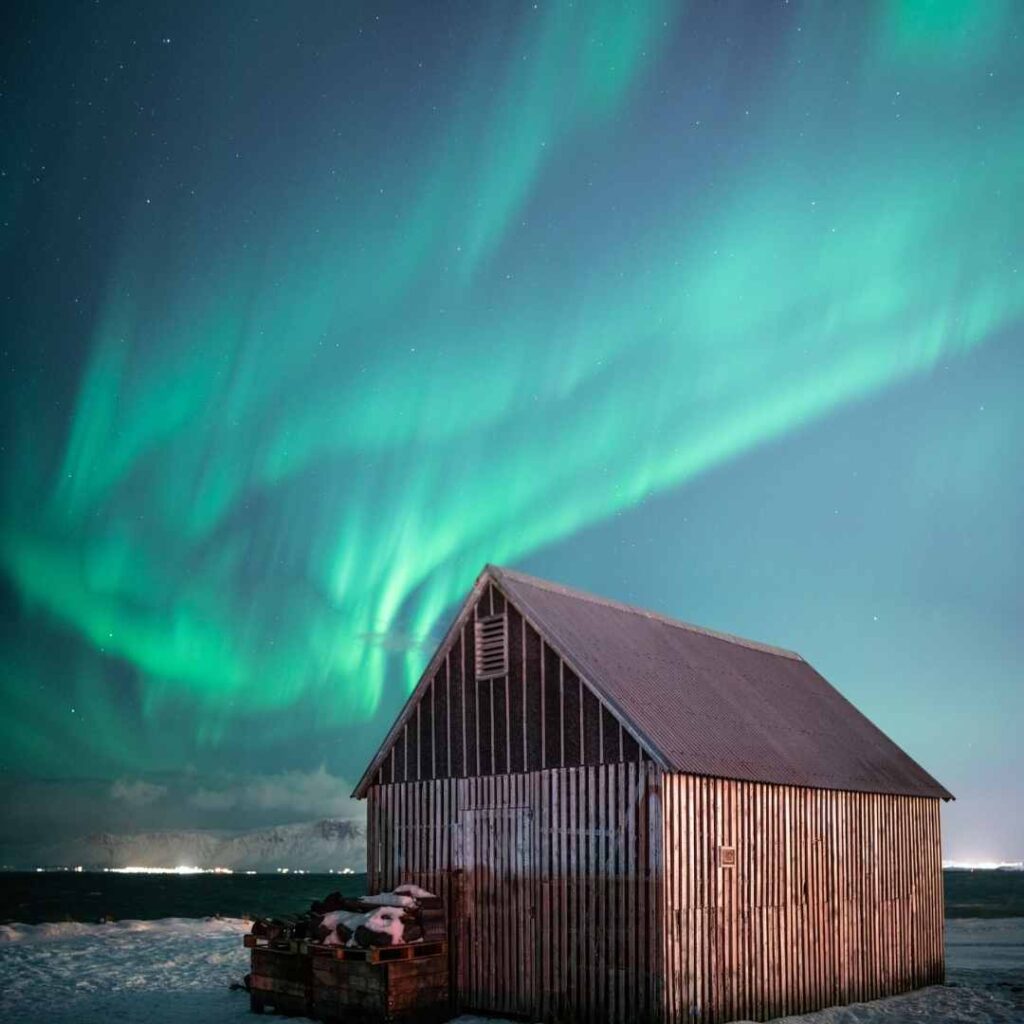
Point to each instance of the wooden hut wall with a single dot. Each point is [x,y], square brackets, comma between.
[835,897]
[537,716]
[552,879]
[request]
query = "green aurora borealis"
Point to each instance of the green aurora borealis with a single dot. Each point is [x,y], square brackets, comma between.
[313,310]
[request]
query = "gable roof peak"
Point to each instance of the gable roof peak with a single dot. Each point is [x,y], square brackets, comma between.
[700,702]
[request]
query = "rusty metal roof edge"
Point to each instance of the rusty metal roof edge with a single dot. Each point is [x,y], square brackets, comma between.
[583,595]
[944,793]
[414,695]
[564,650]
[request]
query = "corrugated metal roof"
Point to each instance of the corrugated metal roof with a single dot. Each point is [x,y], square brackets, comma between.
[712,704]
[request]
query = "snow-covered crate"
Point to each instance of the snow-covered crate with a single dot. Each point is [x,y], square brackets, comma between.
[280,980]
[391,984]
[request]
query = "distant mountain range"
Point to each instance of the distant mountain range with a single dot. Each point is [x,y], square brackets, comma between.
[330,844]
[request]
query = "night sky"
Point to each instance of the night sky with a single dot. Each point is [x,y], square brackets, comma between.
[309,310]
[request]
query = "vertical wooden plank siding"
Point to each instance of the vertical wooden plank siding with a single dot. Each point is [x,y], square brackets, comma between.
[603,893]
[833,897]
[542,879]
[607,898]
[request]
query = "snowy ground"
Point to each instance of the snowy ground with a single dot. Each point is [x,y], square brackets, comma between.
[177,971]
[172,971]
[985,983]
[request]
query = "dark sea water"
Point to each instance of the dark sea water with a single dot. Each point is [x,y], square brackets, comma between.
[33,897]
[60,896]
[984,893]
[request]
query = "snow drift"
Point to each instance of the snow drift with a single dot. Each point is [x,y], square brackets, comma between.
[178,970]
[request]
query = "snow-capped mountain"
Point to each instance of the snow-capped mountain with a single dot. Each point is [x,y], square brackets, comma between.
[325,845]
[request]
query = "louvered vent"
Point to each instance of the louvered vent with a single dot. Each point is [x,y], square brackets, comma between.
[491,647]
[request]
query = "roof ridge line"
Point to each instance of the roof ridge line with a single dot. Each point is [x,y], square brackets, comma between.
[583,595]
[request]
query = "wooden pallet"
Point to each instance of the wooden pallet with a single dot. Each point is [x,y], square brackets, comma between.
[379,954]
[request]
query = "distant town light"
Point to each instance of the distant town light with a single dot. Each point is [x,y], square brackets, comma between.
[181,869]
[984,865]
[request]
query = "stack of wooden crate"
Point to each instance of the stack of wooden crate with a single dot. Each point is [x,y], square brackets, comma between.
[379,985]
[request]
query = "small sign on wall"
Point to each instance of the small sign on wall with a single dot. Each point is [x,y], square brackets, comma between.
[727,856]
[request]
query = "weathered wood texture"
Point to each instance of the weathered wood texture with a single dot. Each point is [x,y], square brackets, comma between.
[361,992]
[552,882]
[280,980]
[537,716]
[834,897]
[599,893]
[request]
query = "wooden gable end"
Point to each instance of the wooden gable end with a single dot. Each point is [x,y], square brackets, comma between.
[538,714]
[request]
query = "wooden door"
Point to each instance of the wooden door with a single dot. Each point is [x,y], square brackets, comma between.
[497,943]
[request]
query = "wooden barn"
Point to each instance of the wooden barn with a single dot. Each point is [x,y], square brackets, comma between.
[636,819]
